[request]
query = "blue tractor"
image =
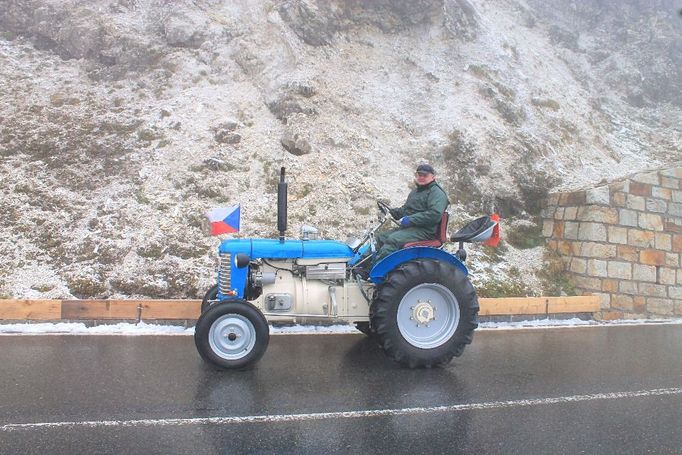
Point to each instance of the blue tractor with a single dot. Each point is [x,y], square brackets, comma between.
[417,303]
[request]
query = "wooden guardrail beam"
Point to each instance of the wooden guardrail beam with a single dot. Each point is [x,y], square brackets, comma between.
[52,310]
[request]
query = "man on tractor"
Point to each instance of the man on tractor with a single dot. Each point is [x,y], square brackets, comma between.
[419,217]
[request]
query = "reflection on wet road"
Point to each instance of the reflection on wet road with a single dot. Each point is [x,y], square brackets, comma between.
[596,389]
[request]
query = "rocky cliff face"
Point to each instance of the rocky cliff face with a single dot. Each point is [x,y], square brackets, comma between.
[121,122]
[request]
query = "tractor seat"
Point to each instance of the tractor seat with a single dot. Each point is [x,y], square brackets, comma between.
[442,235]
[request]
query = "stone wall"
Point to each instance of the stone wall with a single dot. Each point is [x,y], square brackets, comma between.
[623,241]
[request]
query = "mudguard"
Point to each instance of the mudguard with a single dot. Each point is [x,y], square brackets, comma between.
[393,260]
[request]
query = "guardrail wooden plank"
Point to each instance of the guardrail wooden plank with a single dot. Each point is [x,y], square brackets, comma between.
[190,309]
[101,309]
[171,309]
[513,305]
[579,304]
[33,310]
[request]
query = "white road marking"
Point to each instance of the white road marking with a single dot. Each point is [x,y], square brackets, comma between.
[340,415]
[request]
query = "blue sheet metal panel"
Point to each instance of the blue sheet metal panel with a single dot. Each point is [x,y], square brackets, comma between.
[390,262]
[290,249]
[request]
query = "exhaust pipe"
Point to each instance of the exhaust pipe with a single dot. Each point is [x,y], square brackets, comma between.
[281,206]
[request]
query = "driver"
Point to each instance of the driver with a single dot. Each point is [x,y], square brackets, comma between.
[418,217]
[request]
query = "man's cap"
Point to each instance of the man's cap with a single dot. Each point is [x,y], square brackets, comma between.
[426,168]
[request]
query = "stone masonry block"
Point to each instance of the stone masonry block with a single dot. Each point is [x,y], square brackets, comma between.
[611,285]
[642,239]
[678,308]
[622,186]
[548,212]
[666,275]
[597,250]
[677,243]
[651,222]
[587,283]
[568,248]
[640,189]
[547,228]
[653,290]
[679,276]
[652,178]
[570,213]
[596,267]
[592,231]
[622,270]
[672,259]
[558,231]
[598,196]
[618,199]
[674,172]
[627,217]
[677,196]
[672,225]
[622,302]
[675,209]
[618,234]
[662,193]
[579,265]
[639,304]
[669,182]
[663,307]
[675,292]
[611,315]
[663,241]
[628,287]
[559,213]
[652,257]
[571,230]
[597,213]
[644,273]
[656,205]
[635,202]
[627,253]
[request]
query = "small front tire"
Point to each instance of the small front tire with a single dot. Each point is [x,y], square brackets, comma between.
[232,335]
[209,298]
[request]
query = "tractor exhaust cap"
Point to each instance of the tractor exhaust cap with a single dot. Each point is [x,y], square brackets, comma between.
[281,206]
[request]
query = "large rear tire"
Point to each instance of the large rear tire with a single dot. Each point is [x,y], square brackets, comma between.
[232,334]
[425,313]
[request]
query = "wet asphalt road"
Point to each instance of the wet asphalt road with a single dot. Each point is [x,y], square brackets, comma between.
[125,379]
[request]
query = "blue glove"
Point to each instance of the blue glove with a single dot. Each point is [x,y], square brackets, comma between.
[405,221]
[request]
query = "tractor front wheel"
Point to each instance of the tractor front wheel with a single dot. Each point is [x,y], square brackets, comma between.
[209,297]
[425,313]
[232,334]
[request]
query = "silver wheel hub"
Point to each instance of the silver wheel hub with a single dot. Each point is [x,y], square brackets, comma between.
[232,336]
[428,315]
[423,312]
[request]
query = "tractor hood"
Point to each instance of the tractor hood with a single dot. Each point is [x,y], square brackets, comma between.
[289,249]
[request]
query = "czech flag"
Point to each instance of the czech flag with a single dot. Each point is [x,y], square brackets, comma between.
[224,220]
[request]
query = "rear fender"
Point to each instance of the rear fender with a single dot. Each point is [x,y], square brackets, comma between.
[393,260]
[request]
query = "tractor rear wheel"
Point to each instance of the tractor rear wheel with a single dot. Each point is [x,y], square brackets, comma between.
[210,295]
[232,334]
[425,313]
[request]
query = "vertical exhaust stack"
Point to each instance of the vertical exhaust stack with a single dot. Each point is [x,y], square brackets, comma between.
[281,206]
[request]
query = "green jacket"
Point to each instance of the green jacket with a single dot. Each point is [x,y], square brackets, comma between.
[425,206]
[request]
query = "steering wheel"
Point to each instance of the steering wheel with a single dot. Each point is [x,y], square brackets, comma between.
[386,210]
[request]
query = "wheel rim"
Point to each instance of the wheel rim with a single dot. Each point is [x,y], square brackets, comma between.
[232,336]
[428,315]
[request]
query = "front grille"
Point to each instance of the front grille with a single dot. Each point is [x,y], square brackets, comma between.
[224,273]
